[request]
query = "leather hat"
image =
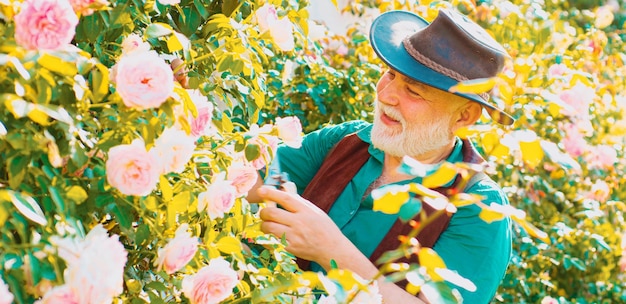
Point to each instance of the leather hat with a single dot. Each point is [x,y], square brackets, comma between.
[440,54]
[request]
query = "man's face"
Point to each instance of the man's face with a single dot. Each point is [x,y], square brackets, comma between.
[411,118]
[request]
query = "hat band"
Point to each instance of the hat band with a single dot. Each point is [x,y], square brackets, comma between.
[436,66]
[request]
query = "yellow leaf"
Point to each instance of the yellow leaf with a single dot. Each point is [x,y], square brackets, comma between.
[151,203]
[213,253]
[431,260]
[465,199]
[445,174]
[166,189]
[506,93]
[77,194]
[57,65]
[229,245]
[532,230]
[488,215]
[413,289]
[176,206]
[554,109]
[173,44]
[38,116]
[343,277]
[473,130]
[390,198]
[476,86]
[532,153]
[227,124]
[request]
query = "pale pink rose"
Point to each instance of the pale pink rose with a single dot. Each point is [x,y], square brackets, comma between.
[212,284]
[266,16]
[242,177]
[282,33]
[169,2]
[218,198]
[268,145]
[95,265]
[599,191]
[602,157]
[60,294]
[549,300]
[578,98]
[557,70]
[201,124]
[574,142]
[6,297]
[134,43]
[622,262]
[88,7]
[178,251]
[144,80]
[132,170]
[45,24]
[174,148]
[290,131]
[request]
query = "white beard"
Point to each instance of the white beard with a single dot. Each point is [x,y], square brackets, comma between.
[413,139]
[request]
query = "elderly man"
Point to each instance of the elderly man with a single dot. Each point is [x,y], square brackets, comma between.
[337,167]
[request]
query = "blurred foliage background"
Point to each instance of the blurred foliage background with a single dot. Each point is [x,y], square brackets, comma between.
[562,162]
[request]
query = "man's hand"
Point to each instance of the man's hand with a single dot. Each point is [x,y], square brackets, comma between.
[308,230]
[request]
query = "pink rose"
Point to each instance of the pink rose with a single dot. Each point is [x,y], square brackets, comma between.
[602,157]
[144,80]
[574,142]
[242,177]
[169,2]
[178,251]
[578,98]
[218,198]
[549,300]
[557,70]
[134,43]
[60,294]
[6,297]
[267,150]
[212,284]
[266,16]
[282,33]
[201,124]
[87,7]
[290,131]
[174,148]
[600,191]
[132,170]
[95,265]
[45,24]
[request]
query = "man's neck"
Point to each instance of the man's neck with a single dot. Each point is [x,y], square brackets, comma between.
[392,163]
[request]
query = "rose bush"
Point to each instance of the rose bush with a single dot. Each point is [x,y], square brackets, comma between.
[123,181]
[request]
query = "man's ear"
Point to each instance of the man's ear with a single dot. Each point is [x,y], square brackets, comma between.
[468,115]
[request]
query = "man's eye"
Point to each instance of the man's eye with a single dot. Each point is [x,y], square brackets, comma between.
[414,93]
[391,74]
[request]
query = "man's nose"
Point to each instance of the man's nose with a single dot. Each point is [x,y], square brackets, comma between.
[388,92]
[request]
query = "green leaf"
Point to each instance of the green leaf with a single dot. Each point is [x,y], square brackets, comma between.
[158,29]
[253,152]
[28,207]
[439,292]
[410,209]
[57,199]
[17,170]
[142,234]
[123,215]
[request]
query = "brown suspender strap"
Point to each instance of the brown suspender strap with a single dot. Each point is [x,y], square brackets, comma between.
[342,164]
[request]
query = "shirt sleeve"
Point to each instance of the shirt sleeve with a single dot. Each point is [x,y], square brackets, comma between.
[301,164]
[477,250]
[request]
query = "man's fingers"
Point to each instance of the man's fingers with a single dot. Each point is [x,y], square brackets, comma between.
[291,202]
[274,228]
[277,215]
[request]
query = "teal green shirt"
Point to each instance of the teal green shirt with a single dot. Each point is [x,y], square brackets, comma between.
[478,251]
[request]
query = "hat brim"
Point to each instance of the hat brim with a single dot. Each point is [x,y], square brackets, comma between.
[386,35]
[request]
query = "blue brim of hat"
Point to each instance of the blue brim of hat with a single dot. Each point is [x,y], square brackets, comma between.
[386,35]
